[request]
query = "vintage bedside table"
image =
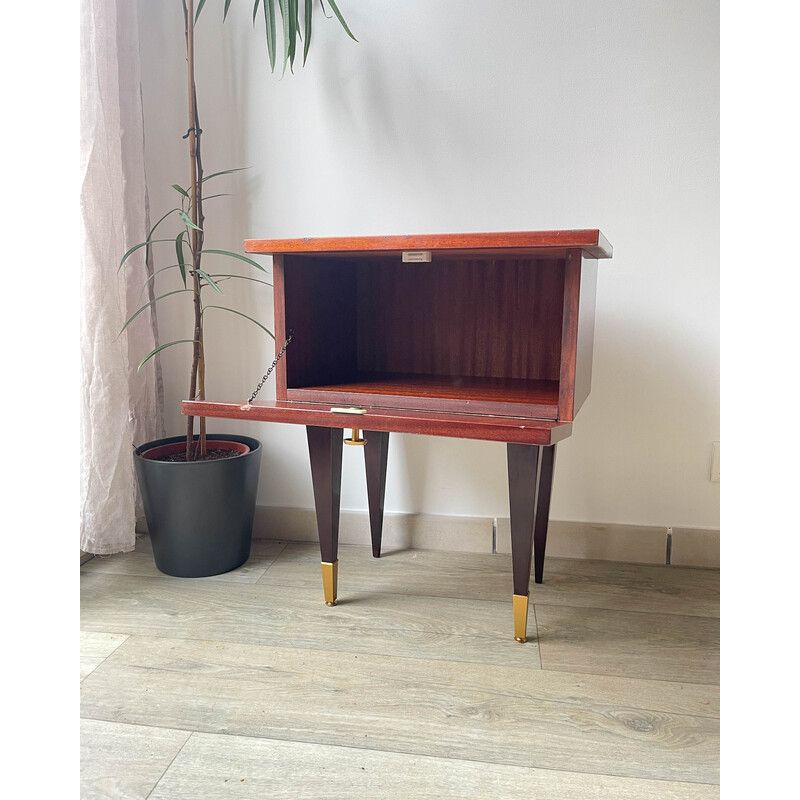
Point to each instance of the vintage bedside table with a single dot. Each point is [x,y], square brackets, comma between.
[476,336]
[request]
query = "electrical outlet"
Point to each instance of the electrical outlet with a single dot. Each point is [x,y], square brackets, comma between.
[714,462]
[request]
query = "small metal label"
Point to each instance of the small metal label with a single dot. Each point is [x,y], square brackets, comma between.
[349,410]
[416,256]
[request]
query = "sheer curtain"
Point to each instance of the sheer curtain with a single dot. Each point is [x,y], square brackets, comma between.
[119,408]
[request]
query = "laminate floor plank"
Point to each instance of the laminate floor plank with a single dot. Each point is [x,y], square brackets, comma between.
[411,687]
[658,589]
[215,767]
[124,762]
[660,647]
[140,562]
[95,647]
[88,665]
[402,705]
[442,628]
[623,587]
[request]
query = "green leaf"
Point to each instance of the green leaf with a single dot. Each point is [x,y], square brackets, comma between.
[187,221]
[199,9]
[255,11]
[269,22]
[286,24]
[225,12]
[308,15]
[179,251]
[137,247]
[243,277]
[152,277]
[224,172]
[147,305]
[212,196]
[160,348]
[206,277]
[255,322]
[235,255]
[180,190]
[341,19]
[152,230]
[292,8]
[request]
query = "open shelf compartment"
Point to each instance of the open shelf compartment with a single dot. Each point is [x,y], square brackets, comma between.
[471,333]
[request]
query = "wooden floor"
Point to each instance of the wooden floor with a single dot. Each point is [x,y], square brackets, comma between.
[246,685]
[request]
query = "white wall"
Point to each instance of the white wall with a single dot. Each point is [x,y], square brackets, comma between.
[445,118]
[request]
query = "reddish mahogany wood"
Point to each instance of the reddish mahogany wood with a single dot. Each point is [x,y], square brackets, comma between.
[590,240]
[376,457]
[569,335]
[320,310]
[543,492]
[325,452]
[483,317]
[584,350]
[483,331]
[280,323]
[523,463]
[491,340]
[514,398]
[455,387]
[428,423]
[580,284]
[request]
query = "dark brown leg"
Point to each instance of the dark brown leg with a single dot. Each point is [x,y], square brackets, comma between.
[376,454]
[542,510]
[523,460]
[325,451]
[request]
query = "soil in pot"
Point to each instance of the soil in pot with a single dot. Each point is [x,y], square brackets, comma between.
[211,455]
[175,452]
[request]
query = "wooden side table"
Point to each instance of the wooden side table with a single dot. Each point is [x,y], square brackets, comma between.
[477,336]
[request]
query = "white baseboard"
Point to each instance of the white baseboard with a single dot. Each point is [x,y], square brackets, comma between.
[409,531]
[692,547]
[695,547]
[597,542]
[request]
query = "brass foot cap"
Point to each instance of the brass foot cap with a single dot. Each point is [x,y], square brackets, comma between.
[520,639]
[329,603]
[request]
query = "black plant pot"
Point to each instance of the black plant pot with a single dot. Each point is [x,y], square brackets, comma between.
[200,513]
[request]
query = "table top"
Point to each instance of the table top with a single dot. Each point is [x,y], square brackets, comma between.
[590,240]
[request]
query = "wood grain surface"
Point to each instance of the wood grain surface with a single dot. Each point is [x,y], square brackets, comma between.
[125,761]
[426,423]
[591,240]
[412,687]
[570,582]
[212,767]
[263,553]
[401,705]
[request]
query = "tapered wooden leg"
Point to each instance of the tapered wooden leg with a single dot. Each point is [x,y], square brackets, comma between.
[542,510]
[325,452]
[523,461]
[376,455]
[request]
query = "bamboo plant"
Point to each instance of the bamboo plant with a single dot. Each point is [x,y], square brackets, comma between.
[188,244]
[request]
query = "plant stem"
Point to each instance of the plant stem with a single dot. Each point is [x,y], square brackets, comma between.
[197,375]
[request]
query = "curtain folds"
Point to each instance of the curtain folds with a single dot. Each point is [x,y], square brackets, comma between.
[119,408]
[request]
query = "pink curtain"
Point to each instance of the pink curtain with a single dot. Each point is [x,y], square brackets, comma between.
[119,408]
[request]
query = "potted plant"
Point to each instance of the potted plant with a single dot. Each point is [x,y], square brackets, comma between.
[199,490]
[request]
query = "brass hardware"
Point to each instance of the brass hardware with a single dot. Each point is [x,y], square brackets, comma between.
[355,438]
[521,617]
[330,579]
[351,410]
[416,256]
